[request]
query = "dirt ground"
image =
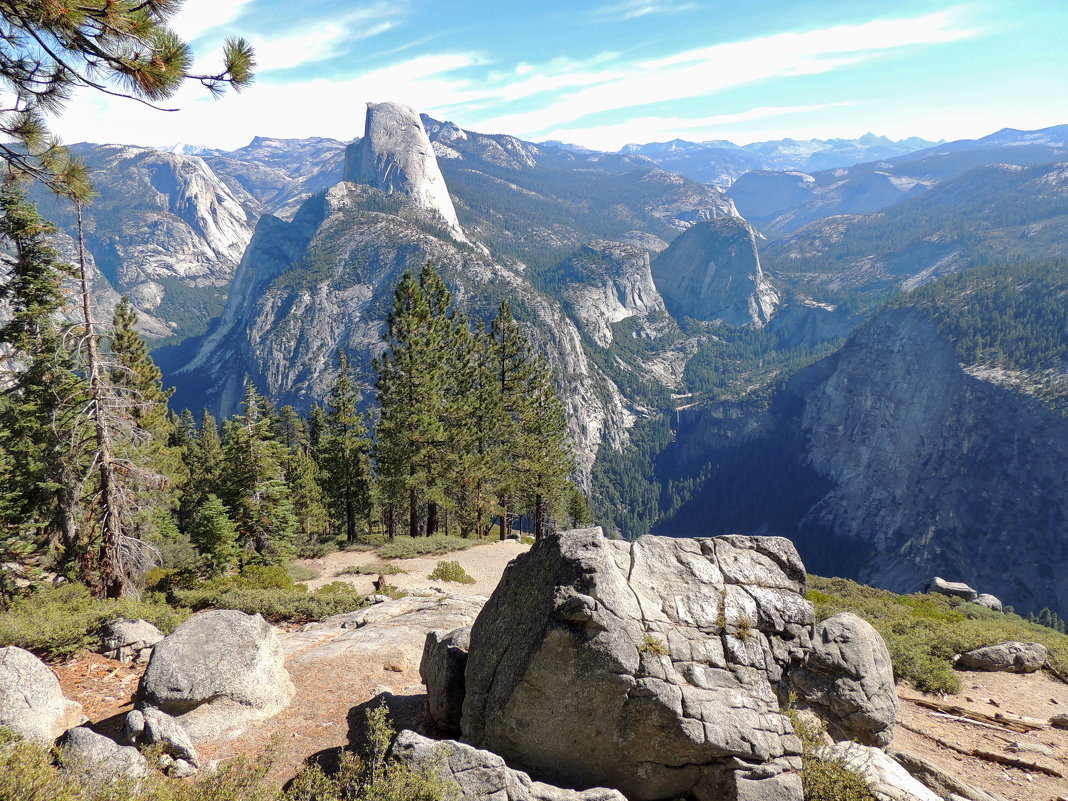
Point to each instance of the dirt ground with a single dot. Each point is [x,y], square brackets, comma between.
[484,563]
[1037,696]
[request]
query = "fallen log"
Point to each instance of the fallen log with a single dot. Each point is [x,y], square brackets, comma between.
[1005,720]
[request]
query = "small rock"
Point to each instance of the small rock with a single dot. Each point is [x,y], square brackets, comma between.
[1028,748]
[124,640]
[1059,721]
[98,758]
[989,601]
[954,589]
[1010,657]
[152,727]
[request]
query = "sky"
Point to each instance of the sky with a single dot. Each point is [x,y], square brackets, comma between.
[605,73]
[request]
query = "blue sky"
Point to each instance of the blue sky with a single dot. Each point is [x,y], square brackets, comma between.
[603,74]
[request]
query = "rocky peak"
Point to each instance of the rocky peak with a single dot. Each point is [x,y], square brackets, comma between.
[395,155]
[712,272]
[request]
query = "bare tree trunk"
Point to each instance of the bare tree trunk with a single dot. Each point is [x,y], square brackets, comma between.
[431,519]
[413,513]
[539,530]
[112,580]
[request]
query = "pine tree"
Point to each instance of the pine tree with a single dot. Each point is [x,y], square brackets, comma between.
[135,376]
[343,454]
[253,482]
[42,435]
[410,388]
[544,460]
[576,507]
[215,536]
[305,489]
[475,427]
[511,362]
[54,48]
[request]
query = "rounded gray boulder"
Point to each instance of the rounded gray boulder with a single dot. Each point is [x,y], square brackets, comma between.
[1007,657]
[849,680]
[125,640]
[989,601]
[217,672]
[31,701]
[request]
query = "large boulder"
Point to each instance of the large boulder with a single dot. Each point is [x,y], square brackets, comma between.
[442,670]
[849,680]
[887,780]
[31,701]
[100,759]
[126,640]
[650,666]
[481,775]
[1009,657]
[989,601]
[217,672]
[954,589]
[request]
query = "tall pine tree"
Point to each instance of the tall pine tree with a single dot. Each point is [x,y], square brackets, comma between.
[343,454]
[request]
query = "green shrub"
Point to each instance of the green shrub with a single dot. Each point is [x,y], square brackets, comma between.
[57,622]
[924,630]
[408,547]
[295,605]
[825,779]
[451,571]
[373,569]
[27,774]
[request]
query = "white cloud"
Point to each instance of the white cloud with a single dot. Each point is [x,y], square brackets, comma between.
[632,9]
[706,71]
[197,17]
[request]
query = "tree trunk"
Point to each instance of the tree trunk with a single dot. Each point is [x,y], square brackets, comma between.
[350,520]
[413,513]
[538,514]
[431,519]
[112,582]
[391,521]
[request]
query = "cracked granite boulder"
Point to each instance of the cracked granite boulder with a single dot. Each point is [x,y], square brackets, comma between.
[652,667]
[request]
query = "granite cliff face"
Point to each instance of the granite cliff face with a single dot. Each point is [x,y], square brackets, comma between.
[395,155]
[890,463]
[712,272]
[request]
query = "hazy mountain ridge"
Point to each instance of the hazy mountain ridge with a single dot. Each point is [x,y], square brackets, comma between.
[1001,211]
[782,202]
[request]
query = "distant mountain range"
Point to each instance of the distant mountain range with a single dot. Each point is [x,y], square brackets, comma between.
[720,162]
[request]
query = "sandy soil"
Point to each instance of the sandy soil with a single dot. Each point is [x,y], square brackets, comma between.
[484,563]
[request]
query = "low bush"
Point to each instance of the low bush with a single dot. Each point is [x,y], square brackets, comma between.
[451,571]
[302,572]
[408,547]
[57,622]
[923,631]
[373,569]
[294,605]
[825,779]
